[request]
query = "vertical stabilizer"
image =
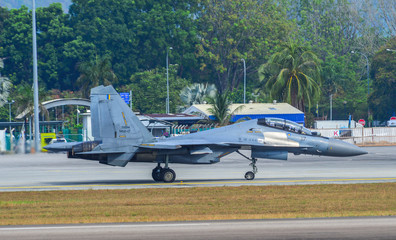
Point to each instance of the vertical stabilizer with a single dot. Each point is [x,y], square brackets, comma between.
[113,121]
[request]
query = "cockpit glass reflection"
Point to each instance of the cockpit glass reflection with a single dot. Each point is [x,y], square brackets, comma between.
[284,125]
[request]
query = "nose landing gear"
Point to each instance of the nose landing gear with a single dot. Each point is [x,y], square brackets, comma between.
[250,175]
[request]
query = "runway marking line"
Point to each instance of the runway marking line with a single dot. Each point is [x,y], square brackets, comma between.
[199,183]
[105,226]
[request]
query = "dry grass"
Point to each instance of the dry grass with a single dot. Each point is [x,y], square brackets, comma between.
[183,204]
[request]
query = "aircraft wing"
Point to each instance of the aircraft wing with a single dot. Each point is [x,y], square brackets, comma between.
[172,145]
[179,143]
[100,152]
[59,147]
[176,144]
[270,146]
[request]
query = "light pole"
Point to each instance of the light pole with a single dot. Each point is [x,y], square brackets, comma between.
[35,82]
[167,79]
[368,82]
[331,107]
[9,107]
[244,80]
[9,110]
[78,114]
[368,72]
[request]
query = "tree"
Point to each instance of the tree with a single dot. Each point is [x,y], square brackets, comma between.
[333,29]
[382,99]
[5,86]
[162,24]
[383,11]
[23,96]
[144,29]
[221,108]
[74,52]
[28,3]
[53,32]
[349,91]
[16,43]
[149,90]
[197,93]
[232,30]
[292,75]
[94,73]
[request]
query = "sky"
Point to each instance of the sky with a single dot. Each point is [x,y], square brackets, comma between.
[39,3]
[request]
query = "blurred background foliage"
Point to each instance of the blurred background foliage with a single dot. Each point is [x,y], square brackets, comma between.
[208,39]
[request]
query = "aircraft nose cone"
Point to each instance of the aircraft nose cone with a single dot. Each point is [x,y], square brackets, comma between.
[341,148]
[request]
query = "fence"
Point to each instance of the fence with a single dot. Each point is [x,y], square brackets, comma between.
[73,134]
[362,136]
[185,129]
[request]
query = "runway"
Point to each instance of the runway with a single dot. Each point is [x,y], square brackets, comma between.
[43,171]
[320,228]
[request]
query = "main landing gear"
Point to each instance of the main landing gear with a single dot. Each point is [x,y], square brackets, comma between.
[160,174]
[250,174]
[165,174]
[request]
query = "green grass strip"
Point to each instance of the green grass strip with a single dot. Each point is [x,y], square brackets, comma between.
[197,203]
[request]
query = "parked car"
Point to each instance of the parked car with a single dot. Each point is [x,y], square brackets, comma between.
[391,123]
[57,140]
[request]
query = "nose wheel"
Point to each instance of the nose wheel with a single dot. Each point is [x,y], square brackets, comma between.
[250,175]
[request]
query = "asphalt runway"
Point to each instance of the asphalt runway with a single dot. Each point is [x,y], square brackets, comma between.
[320,228]
[44,171]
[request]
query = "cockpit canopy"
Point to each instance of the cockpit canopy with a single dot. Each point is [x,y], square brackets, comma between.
[284,124]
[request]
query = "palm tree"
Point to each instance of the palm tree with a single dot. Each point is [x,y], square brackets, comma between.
[292,75]
[95,73]
[221,108]
[23,99]
[197,93]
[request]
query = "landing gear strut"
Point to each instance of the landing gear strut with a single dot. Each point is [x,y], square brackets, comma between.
[250,174]
[165,174]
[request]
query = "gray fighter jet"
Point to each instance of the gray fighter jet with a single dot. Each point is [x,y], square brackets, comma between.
[121,138]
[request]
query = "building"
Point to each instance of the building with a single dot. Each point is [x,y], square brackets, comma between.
[253,111]
[177,118]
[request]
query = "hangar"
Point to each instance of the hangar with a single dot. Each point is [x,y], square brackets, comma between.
[253,111]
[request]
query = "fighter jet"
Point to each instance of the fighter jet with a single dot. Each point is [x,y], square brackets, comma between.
[120,138]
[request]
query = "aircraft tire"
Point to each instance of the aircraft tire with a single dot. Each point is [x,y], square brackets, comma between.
[249,175]
[168,175]
[70,154]
[157,174]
